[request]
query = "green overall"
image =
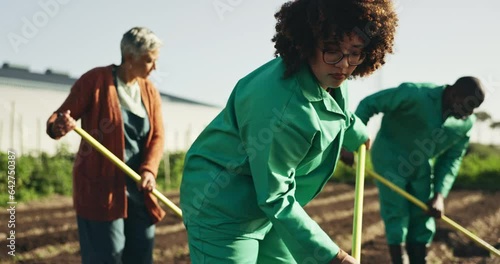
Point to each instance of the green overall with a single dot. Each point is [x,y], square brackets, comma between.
[266,155]
[416,150]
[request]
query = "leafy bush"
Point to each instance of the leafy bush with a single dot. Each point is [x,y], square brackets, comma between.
[483,151]
[176,160]
[41,175]
[38,175]
[480,169]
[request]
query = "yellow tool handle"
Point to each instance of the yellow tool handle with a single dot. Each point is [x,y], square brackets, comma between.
[447,220]
[118,162]
[358,203]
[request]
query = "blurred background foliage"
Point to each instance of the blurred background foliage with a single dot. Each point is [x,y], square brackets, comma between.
[41,175]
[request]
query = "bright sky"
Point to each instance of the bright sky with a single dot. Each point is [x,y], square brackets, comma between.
[210,44]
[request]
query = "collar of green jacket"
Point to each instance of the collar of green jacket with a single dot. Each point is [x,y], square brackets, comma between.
[313,92]
[437,93]
[460,127]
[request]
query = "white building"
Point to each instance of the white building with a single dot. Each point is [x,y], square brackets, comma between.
[27,99]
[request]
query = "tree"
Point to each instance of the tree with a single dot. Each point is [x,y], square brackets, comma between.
[495,125]
[481,117]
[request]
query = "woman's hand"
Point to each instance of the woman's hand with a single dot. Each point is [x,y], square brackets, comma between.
[368,144]
[148,181]
[347,157]
[343,258]
[63,124]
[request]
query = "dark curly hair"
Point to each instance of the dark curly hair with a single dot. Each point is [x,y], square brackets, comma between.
[301,24]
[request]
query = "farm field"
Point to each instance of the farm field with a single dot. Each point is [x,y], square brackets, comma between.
[46,230]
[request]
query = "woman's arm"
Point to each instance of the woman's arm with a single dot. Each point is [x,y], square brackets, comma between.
[153,152]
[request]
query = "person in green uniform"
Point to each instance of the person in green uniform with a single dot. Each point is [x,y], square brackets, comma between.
[275,145]
[423,136]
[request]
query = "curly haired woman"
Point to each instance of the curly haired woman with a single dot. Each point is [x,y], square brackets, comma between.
[276,143]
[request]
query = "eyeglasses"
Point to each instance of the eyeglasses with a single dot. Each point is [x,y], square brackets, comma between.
[334,57]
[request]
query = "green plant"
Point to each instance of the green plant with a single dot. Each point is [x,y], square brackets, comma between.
[176,162]
[41,175]
[38,175]
[480,169]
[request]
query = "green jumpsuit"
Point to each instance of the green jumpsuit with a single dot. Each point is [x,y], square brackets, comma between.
[266,155]
[416,150]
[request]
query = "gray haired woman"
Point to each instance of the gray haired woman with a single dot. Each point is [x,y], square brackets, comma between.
[121,108]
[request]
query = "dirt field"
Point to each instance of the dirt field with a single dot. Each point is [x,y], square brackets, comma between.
[46,230]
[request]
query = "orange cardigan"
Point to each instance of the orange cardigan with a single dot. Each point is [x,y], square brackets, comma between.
[98,185]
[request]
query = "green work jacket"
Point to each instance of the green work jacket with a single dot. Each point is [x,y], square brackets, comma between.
[266,155]
[414,140]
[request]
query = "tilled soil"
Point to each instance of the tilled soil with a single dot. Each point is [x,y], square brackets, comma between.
[46,230]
